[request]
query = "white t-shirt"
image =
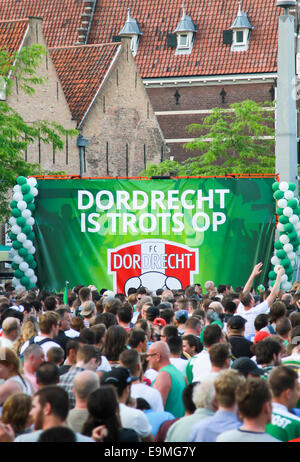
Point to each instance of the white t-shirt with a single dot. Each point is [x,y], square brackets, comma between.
[201,366]
[135,419]
[104,366]
[151,395]
[5,342]
[251,314]
[72,333]
[45,346]
[151,374]
[180,364]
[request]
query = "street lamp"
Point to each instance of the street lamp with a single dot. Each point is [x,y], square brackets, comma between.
[286,114]
[81,143]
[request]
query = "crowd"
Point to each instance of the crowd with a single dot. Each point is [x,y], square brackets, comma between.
[204,364]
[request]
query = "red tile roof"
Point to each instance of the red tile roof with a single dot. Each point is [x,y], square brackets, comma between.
[209,55]
[81,70]
[12,34]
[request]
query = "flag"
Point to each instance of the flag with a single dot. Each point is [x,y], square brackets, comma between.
[65,299]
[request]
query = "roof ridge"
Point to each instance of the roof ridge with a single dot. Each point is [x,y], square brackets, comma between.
[90,45]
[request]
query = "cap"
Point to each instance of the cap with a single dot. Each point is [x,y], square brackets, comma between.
[108,293]
[160,322]
[118,376]
[87,310]
[260,336]
[181,313]
[236,322]
[247,366]
[212,315]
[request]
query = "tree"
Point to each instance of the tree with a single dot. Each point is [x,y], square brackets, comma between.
[15,134]
[236,140]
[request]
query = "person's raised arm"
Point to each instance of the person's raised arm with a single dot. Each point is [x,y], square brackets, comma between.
[276,287]
[255,272]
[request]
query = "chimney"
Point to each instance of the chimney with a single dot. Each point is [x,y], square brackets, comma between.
[86,21]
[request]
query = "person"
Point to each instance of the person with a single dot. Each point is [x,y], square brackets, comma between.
[84,384]
[283,329]
[88,358]
[88,310]
[175,346]
[240,346]
[47,374]
[254,402]
[71,352]
[225,418]
[57,435]
[64,325]
[103,409]
[193,326]
[131,360]
[135,419]
[170,381]
[199,366]
[124,316]
[50,408]
[247,367]
[33,357]
[11,328]
[190,345]
[10,372]
[203,395]
[260,322]
[246,307]
[15,411]
[56,355]
[277,311]
[137,340]
[29,329]
[220,358]
[181,317]
[267,354]
[84,294]
[284,384]
[155,418]
[49,325]
[114,343]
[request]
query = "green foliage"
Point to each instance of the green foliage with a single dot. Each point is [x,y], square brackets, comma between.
[236,140]
[15,134]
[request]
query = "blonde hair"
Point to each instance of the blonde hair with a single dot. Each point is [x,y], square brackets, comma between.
[15,411]
[226,384]
[29,329]
[11,360]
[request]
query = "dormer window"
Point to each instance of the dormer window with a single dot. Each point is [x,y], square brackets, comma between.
[185,34]
[241,28]
[131,30]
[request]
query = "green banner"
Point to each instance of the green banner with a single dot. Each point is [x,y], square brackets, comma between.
[169,233]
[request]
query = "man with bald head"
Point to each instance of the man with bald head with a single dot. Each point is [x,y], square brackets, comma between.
[84,383]
[170,381]
[10,331]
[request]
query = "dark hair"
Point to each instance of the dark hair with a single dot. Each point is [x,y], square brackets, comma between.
[167,314]
[47,374]
[72,344]
[58,434]
[102,405]
[50,303]
[212,334]
[175,344]
[295,332]
[282,378]
[55,354]
[230,307]
[84,293]
[130,359]
[136,336]
[125,313]
[187,397]
[131,291]
[170,331]
[112,305]
[193,322]
[251,396]
[295,318]
[283,326]
[277,310]
[142,404]
[108,319]
[87,336]
[58,399]
[114,342]
[121,297]
[219,353]
[261,321]
[265,349]
[99,331]
[193,341]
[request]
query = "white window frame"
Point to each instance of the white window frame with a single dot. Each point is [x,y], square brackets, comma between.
[134,43]
[240,46]
[186,48]
[185,45]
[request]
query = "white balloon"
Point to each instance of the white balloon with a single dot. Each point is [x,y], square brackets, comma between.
[22,205]
[286,285]
[29,273]
[17,188]
[15,281]
[20,288]
[12,221]
[26,213]
[276,268]
[34,192]
[294,219]
[33,279]
[13,252]
[288,248]
[16,229]
[24,266]
[275,261]
[284,239]
[21,237]
[289,194]
[31,250]
[284,278]
[282,203]
[292,255]
[27,244]
[280,227]
[288,211]
[297,226]
[30,221]
[17,259]
[31,181]
[283,186]
[18,196]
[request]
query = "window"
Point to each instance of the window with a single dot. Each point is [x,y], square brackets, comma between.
[183,41]
[240,36]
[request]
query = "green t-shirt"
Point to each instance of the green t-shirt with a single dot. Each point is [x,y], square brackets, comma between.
[285,426]
[174,403]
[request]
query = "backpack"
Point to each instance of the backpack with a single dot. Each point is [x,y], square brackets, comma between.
[41,342]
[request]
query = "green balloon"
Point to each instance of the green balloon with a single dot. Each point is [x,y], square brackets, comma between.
[293,203]
[285,262]
[21,221]
[33,264]
[272,275]
[31,286]
[31,206]
[31,236]
[29,258]
[28,198]
[16,212]
[279,211]
[17,245]
[289,228]
[283,219]
[12,236]
[14,265]
[25,281]
[21,180]
[292,236]
[23,252]
[275,186]
[278,195]
[297,211]
[278,245]
[26,229]
[292,186]
[281,254]
[13,204]
[18,274]
[289,270]
[25,188]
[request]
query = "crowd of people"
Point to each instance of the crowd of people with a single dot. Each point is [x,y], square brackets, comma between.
[203,364]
